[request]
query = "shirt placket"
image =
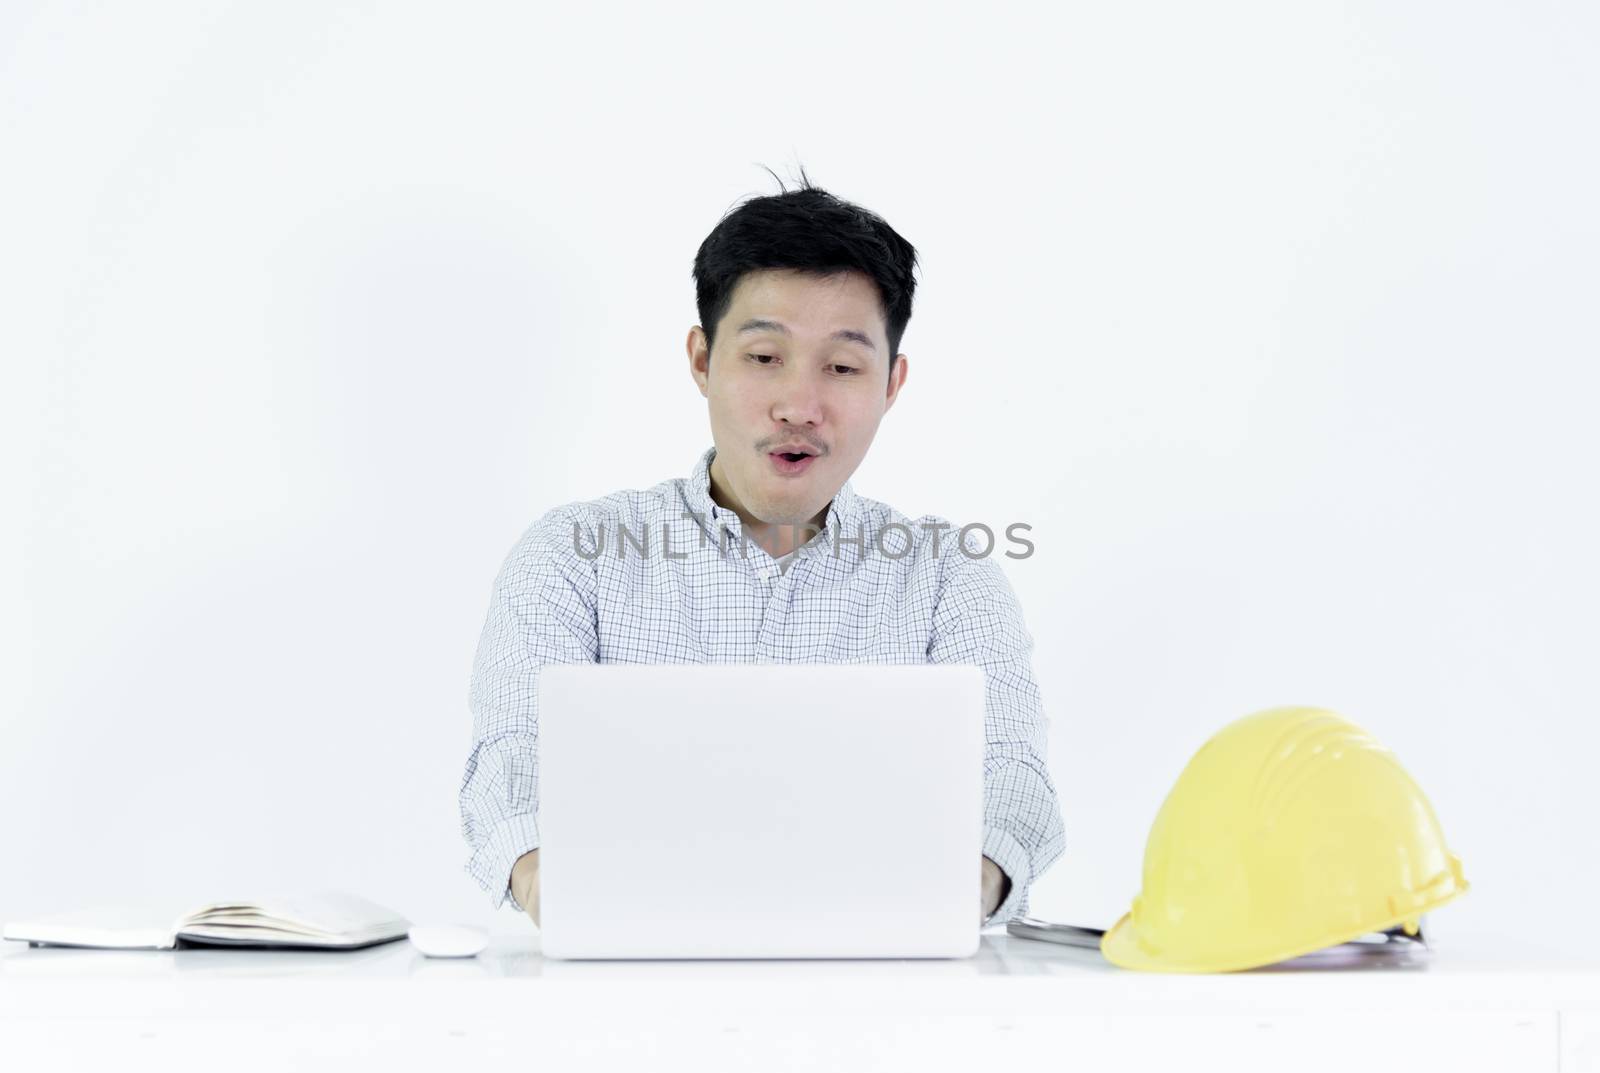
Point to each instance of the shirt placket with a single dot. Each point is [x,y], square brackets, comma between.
[772,586]
[763,572]
[774,591]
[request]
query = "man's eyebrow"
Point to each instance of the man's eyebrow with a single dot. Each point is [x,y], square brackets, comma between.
[757,324]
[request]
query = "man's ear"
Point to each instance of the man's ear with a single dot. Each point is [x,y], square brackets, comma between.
[897,377]
[699,359]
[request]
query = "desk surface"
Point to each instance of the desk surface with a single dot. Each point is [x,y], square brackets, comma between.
[1018,999]
[516,954]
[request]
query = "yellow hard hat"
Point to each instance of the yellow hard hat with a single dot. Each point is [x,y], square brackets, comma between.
[1289,831]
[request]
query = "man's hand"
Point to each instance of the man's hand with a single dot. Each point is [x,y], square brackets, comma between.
[994,885]
[525,883]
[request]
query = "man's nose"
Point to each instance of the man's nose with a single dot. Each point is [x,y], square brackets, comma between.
[799,401]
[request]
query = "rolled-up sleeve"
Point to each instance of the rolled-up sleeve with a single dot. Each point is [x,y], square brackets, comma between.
[978,620]
[541,611]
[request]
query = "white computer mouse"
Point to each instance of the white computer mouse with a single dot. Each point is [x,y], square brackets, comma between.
[447,940]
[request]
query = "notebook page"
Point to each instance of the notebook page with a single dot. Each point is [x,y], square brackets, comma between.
[326,913]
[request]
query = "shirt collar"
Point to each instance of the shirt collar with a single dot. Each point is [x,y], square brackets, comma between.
[842,518]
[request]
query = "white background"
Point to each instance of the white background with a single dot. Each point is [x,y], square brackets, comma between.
[1276,322]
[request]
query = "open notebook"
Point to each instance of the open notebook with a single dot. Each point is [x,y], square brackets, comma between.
[327,920]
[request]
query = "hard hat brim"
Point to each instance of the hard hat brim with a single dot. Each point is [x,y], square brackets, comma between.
[1122,948]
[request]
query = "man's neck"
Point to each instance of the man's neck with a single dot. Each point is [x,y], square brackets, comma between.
[777,539]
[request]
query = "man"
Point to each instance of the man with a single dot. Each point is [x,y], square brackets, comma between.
[765,553]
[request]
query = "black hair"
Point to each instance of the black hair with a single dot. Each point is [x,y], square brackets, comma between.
[810,231]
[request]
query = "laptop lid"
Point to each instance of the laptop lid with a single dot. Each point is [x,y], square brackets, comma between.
[760,810]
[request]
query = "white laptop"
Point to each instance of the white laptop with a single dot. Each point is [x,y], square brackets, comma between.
[760,810]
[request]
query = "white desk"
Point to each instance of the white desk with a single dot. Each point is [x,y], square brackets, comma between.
[1016,1001]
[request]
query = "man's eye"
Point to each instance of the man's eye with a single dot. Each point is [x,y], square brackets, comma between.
[848,370]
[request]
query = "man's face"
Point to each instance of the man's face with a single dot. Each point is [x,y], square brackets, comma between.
[794,380]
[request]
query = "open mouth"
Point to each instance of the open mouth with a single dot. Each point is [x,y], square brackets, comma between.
[789,463]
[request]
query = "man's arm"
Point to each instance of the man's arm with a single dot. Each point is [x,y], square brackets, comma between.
[542,611]
[979,621]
